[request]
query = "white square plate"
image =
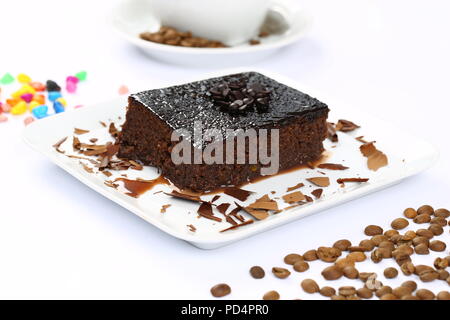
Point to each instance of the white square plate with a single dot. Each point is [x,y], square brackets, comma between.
[408,155]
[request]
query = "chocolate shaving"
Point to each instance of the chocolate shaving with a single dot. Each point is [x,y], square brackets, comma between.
[299,185]
[76,143]
[293,197]
[135,165]
[215,198]
[223,207]
[266,205]
[113,130]
[86,168]
[320,181]
[317,193]
[80,131]
[93,140]
[331,132]
[238,225]
[308,198]
[205,210]
[375,158]
[58,144]
[184,196]
[257,213]
[237,193]
[191,228]
[343,180]
[111,184]
[103,124]
[165,207]
[360,139]
[346,126]
[106,173]
[332,166]
[235,211]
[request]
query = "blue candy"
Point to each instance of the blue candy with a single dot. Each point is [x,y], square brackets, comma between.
[53,95]
[58,107]
[40,111]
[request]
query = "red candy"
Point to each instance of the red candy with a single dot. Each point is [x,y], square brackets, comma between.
[38,86]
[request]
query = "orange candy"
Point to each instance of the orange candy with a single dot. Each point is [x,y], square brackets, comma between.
[38,86]
[39,98]
[13,101]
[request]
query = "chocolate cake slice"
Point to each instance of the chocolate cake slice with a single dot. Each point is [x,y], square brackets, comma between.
[240,101]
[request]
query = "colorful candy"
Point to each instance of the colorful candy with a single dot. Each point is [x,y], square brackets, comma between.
[62,101]
[40,112]
[52,86]
[19,108]
[7,79]
[23,78]
[12,101]
[81,75]
[6,107]
[27,97]
[71,87]
[38,86]
[58,107]
[33,104]
[123,90]
[53,95]
[28,120]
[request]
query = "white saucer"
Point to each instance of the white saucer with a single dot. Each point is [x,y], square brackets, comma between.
[131,18]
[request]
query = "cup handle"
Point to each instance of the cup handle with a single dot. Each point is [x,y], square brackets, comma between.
[286,7]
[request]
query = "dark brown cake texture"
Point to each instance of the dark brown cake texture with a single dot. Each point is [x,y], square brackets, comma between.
[153,116]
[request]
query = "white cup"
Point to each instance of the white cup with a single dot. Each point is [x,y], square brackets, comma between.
[229,21]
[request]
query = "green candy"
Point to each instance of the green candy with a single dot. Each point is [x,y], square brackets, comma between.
[81,75]
[7,79]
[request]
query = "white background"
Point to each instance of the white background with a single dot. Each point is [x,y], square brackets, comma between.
[59,239]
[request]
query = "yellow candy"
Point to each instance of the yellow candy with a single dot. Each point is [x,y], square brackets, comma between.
[33,104]
[19,108]
[26,88]
[62,101]
[23,78]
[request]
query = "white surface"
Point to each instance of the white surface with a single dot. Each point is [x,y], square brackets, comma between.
[58,239]
[408,155]
[129,19]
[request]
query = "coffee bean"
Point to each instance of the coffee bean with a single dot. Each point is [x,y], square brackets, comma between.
[422,218]
[292,258]
[357,256]
[421,249]
[437,245]
[440,263]
[443,274]
[390,273]
[444,213]
[402,258]
[332,273]
[335,297]
[280,273]
[387,244]
[357,249]
[404,248]
[391,233]
[310,255]
[327,291]
[364,276]
[409,235]
[257,272]
[301,266]
[328,254]
[439,221]
[367,244]
[411,285]
[378,239]
[410,213]
[407,268]
[373,284]
[310,286]
[418,240]
[350,272]
[271,295]
[364,293]
[220,290]
[380,254]
[383,291]
[342,245]
[347,291]
[373,230]
[410,297]
[345,262]
[426,209]
[436,229]
[399,223]
[429,275]
[425,233]
[443,295]
[388,296]
[425,294]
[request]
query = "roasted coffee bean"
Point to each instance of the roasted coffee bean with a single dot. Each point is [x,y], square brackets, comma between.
[373,284]
[347,291]
[411,285]
[402,258]
[410,297]
[440,263]
[357,249]
[280,273]
[428,276]
[418,240]
[426,209]
[407,268]
[327,291]
[301,266]
[388,296]
[425,294]
[382,291]
[399,223]
[390,273]
[220,290]
[257,272]
[373,230]
[364,276]
[328,254]
[310,255]
[357,256]
[335,297]
[332,273]
[444,213]
[378,239]
[443,274]
[425,233]
[367,244]
[342,245]
[345,262]
[364,293]
[410,213]
[439,221]
[421,249]
[436,229]
[271,295]
[380,254]
[387,244]
[292,258]
[403,249]
[409,235]
[350,272]
[422,218]
[391,233]
[437,245]
[310,286]
[443,295]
